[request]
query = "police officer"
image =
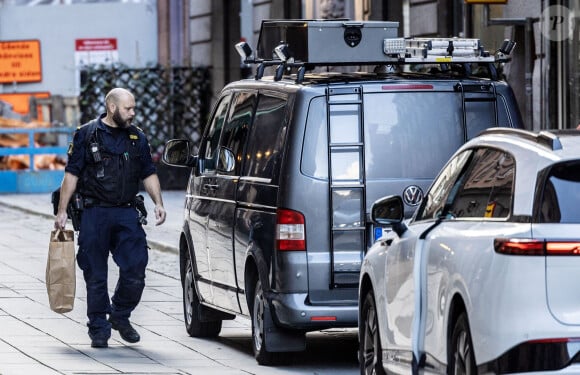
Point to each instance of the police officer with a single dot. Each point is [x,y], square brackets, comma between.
[106,161]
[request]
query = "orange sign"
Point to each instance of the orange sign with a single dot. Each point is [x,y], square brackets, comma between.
[21,102]
[20,61]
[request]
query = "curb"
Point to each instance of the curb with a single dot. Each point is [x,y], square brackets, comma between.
[163,247]
[153,244]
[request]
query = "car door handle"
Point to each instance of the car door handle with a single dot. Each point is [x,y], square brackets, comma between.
[387,243]
[211,186]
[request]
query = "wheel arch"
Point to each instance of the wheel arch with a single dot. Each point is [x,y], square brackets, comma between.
[456,308]
[365,286]
[250,278]
[183,249]
[255,268]
[185,246]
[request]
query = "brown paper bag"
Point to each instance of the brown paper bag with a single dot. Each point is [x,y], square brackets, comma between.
[60,271]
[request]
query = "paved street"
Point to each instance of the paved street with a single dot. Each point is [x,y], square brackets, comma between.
[36,340]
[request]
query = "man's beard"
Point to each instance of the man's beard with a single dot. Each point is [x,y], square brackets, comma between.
[120,121]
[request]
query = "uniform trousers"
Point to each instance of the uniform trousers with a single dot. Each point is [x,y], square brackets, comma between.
[114,230]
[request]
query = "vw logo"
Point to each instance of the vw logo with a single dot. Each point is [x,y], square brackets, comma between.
[412,195]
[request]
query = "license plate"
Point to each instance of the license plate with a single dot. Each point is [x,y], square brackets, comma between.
[381,231]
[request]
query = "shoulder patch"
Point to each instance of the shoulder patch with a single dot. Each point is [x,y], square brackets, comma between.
[70,148]
[133,136]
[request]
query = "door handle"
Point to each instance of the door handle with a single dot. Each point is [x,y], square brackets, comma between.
[211,186]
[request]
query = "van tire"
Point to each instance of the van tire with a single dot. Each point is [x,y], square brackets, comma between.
[192,307]
[259,311]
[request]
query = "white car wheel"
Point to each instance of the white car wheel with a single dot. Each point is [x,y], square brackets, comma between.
[370,350]
[462,358]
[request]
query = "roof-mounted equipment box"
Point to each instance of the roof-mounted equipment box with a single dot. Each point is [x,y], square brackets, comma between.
[326,42]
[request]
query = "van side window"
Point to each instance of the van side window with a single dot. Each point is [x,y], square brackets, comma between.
[236,132]
[210,142]
[267,138]
[314,160]
[480,115]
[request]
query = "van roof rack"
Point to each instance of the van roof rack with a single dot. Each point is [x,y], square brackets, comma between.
[304,45]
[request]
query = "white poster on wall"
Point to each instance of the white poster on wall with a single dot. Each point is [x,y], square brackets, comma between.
[96,51]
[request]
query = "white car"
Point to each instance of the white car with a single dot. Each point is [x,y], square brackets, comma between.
[485,278]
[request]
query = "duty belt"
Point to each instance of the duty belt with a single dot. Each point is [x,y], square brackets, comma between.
[92,202]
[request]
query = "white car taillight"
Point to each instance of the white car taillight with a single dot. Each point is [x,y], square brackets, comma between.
[520,246]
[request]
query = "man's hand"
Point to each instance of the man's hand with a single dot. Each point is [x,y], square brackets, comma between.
[67,188]
[153,188]
[160,214]
[60,220]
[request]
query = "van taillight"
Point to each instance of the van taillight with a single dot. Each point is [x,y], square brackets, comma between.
[520,246]
[290,230]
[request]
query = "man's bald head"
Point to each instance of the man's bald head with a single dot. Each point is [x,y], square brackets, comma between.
[120,105]
[117,94]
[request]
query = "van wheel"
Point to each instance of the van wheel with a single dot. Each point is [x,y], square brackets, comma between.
[461,356]
[370,349]
[263,357]
[192,308]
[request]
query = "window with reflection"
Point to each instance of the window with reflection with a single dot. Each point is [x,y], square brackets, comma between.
[400,128]
[475,184]
[485,189]
[438,195]
[316,141]
[236,131]
[267,138]
[480,115]
[210,142]
[561,194]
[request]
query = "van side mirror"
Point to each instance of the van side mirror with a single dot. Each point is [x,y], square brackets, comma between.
[389,210]
[177,153]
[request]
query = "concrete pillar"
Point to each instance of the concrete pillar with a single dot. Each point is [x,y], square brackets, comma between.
[163,32]
[225,31]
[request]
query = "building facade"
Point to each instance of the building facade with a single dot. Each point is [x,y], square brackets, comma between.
[545,70]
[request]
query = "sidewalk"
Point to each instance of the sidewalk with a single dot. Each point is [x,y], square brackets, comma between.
[164,237]
[36,340]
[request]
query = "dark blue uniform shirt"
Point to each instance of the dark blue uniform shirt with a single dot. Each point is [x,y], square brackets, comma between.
[114,142]
[124,159]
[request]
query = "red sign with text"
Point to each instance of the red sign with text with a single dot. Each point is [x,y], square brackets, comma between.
[96,44]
